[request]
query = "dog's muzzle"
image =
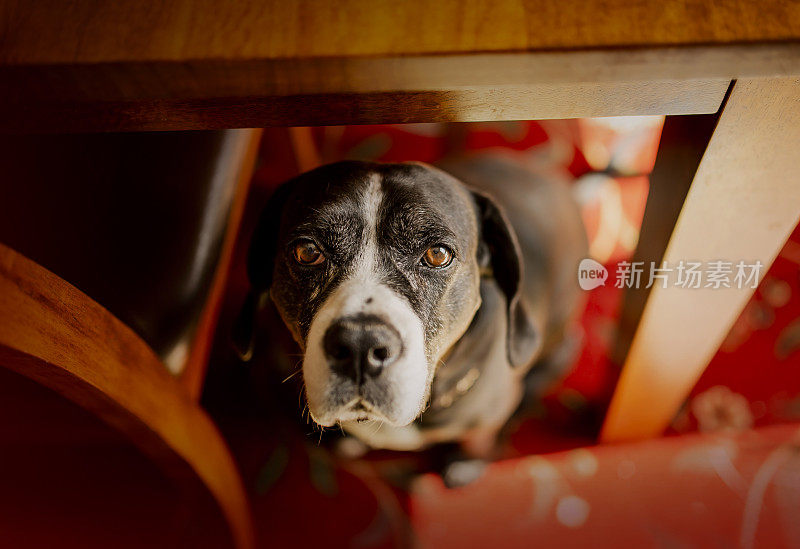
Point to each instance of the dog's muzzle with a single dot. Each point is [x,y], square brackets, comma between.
[365,357]
[361,347]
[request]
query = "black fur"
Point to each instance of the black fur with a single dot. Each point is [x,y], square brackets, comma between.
[417,212]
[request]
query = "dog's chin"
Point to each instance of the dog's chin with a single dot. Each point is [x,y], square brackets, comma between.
[361,410]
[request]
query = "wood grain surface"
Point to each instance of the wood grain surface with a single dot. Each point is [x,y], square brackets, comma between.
[81,65]
[54,334]
[86,31]
[481,104]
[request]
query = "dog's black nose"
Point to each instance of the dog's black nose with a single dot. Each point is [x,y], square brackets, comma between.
[361,346]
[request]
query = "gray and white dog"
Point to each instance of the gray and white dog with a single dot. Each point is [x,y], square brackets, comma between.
[423,307]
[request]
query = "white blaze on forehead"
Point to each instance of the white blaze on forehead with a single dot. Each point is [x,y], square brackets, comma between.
[371,198]
[362,292]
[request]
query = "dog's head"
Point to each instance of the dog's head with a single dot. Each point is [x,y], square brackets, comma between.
[375,270]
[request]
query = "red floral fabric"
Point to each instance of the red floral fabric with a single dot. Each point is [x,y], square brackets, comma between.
[717,490]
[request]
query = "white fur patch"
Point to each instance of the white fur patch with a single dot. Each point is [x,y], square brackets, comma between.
[363,293]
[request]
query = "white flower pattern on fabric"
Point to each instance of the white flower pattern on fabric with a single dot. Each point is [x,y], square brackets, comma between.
[720,409]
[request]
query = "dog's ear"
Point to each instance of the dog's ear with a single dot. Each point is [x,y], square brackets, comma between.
[500,250]
[260,263]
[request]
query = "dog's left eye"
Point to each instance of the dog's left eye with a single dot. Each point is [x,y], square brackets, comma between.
[308,253]
[437,257]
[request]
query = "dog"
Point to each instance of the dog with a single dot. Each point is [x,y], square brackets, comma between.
[428,302]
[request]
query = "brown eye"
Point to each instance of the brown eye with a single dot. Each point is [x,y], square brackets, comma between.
[437,257]
[307,253]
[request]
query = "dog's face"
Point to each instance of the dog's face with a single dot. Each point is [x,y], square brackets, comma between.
[375,269]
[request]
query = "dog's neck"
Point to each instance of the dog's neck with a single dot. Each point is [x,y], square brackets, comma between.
[463,363]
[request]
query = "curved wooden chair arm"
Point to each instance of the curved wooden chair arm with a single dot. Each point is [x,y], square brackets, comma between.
[54,334]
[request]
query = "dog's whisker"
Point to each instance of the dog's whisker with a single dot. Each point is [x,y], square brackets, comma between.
[290,376]
[305,413]
[301,401]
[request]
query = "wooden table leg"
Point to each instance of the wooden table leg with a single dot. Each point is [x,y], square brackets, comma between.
[742,206]
[683,141]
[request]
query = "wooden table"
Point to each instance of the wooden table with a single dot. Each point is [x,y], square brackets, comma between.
[74,65]
[726,184]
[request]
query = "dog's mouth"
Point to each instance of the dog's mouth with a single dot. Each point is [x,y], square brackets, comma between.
[361,410]
[358,409]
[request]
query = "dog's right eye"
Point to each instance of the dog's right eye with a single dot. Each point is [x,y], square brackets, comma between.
[437,257]
[308,253]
